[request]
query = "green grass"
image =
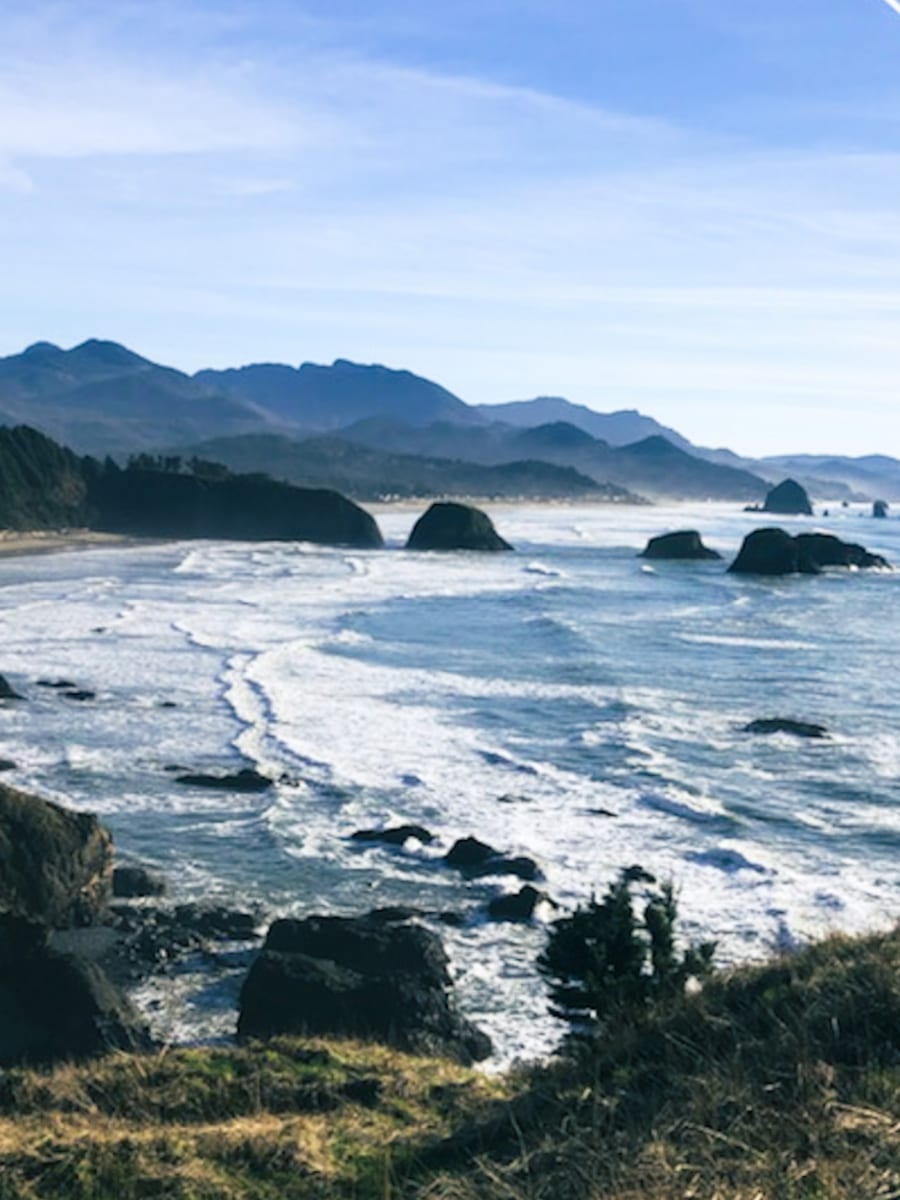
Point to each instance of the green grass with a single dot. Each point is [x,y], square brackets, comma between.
[779,1082]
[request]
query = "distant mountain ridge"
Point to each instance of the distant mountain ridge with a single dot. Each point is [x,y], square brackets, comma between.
[101,398]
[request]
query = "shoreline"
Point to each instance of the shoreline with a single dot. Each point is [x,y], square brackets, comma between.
[27,542]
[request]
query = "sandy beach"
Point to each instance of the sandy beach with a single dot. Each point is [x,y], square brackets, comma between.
[43,541]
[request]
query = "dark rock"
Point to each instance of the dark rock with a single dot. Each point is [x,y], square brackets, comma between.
[517,907]
[805,729]
[129,882]
[788,499]
[450,526]
[686,543]
[59,684]
[771,551]
[476,859]
[245,780]
[7,691]
[396,912]
[395,836]
[80,694]
[357,977]
[519,865]
[880,509]
[767,552]
[469,852]
[150,937]
[55,865]
[825,550]
[56,1007]
[7,764]
[167,704]
[213,503]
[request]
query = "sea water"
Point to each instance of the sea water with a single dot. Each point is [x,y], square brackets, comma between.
[570,701]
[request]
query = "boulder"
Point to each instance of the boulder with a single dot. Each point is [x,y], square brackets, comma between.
[477,859]
[468,852]
[57,1007]
[7,691]
[879,509]
[396,835]
[772,551]
[805,729]
[245,780]
[685,543]
[518,906]
[357,977]
[55,865]
[450,526]
[59,684]
[789,498]
[129,882]
[79,694]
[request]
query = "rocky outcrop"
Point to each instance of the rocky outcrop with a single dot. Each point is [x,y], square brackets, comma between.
[129,882]
[476,860]
[880,509]
[804,729]
[451,526]
[789,498]
[685,543]
[517,906]
[159,503]
[357,977]
[396,835]
[7,691]
[772,551]
[55,1006]
[55,865]
[245,780]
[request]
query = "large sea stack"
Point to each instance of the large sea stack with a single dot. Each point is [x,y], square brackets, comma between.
[450,526]
[789,498]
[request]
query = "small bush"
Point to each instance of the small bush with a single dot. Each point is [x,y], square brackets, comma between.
[605,962]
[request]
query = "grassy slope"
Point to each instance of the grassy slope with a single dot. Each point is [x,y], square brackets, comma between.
[780,1081]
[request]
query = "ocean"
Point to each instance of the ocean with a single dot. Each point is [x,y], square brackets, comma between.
[570,701]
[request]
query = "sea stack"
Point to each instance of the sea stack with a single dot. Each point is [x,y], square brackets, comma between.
[450,526]
[788,499]
[775,552]
[879,509]
[685,543]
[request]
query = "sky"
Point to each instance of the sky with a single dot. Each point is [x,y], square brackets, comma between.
[689,207]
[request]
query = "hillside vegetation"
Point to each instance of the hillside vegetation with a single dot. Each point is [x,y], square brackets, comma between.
[776,1082]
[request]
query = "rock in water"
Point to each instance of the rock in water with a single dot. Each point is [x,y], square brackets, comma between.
[56,1006]
[805,729]
[55,865]
[7,691]
[245,780]
[396,835]
[825,550]
[357,977]
[879,509]
[774,552]
[518,906]
[686,543]
[450,526]
[788,499]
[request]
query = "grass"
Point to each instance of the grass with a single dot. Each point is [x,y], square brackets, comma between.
[779,1082]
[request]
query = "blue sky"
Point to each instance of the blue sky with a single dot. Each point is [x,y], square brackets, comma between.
[684,206]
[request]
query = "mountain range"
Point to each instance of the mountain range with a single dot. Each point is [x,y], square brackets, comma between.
[375,431]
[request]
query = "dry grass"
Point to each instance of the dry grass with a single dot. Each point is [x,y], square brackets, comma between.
[775,1083]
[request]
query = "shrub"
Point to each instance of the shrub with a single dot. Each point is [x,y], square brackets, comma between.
[605,962]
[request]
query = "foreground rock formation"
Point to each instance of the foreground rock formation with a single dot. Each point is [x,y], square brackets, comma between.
[450,526]
[357,977]
[685,543]
[772,551]
[55,865]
